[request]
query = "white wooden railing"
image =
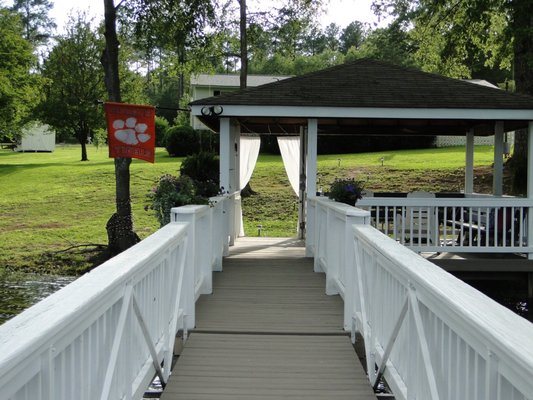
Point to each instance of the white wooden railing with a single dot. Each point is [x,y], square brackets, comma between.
[430,335]
[475,224]
[107,334]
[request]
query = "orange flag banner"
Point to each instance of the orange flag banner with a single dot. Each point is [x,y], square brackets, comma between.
[130,131]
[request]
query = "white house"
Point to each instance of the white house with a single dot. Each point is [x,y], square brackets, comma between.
[207,85]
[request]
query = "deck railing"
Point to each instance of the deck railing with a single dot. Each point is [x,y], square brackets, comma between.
[430,335]
[107,334]
[473,224]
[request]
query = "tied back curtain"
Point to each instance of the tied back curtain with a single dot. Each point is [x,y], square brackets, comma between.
[289,147]
[248,157]
[249,151]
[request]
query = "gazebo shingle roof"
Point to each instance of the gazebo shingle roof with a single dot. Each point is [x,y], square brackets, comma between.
[375,84]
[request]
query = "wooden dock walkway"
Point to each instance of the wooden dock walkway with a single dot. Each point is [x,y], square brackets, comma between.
[268,331]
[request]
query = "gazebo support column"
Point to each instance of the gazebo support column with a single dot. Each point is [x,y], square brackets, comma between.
[469,165]
[312,151]
[311,146]
[497,180]
[229,169]
[530,194]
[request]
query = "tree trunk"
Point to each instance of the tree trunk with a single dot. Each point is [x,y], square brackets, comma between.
[82,138]
[522,29]
[181,82]
[109,58]
[84,150]
[120,231]
[244,46]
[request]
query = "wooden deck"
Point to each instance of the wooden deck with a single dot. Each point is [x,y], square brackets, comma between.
[268,331]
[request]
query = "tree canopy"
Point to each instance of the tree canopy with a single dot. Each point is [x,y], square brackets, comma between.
[19,86]
[75,82]
[35,19]
[461,39]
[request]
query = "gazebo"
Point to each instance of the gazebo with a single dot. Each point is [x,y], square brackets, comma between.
[366,97]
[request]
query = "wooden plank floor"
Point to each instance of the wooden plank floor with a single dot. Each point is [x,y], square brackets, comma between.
[268,331]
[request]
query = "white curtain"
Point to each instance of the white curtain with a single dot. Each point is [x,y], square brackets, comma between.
[249,150]
[289,147]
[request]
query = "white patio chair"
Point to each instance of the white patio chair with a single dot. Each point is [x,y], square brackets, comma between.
[416,224]
[369,193]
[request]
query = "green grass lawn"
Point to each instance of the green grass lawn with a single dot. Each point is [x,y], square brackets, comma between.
[52,201]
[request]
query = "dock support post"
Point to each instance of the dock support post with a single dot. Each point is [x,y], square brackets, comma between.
[530,187]
[497,182]
[530,296]
[469,167]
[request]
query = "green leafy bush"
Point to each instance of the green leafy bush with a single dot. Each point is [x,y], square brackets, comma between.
[172,191]
[346,191]
[161,126]
[182,141]
[203,168]
[99,137]
[209,141]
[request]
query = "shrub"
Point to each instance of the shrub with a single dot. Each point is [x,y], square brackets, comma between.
[181,141]
[172,191]
[161,126]
[202,166]
[209,141]
[346,191]
[203,169]
[99,137]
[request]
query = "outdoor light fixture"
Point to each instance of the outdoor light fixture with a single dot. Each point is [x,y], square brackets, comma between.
[212,110]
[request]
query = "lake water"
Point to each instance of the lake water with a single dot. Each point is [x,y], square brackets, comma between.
[20,291]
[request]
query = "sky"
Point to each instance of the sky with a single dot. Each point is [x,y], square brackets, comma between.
[342,12]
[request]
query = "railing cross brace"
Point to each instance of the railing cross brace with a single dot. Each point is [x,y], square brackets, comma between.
[390,343]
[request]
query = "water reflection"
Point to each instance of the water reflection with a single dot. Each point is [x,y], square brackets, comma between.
[512,294]
[20,291]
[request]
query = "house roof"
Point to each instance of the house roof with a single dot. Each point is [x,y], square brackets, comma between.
[370,90]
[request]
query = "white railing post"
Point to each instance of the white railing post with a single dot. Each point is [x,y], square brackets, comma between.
[310,229]
[234,214]
[237,217]
[353,217]
[226,210]
[331,256]
[201,233]
[529,233]
[220,237]
[317,233]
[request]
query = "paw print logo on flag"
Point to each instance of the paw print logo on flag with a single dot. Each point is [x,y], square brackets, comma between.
[131,130]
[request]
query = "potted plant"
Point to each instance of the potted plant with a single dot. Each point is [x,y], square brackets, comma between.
[172,191]
[346,191]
